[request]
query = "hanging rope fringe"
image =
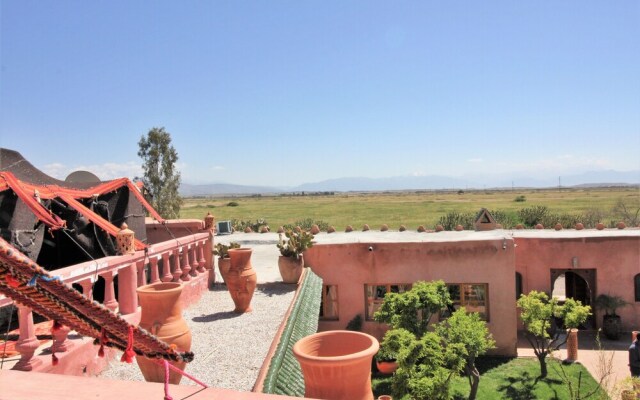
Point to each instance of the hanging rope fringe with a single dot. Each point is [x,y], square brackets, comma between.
[128,354]
[103,341]
[11,281]
[167,396]
[56,326]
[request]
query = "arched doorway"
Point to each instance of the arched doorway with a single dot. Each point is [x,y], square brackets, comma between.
[576,284]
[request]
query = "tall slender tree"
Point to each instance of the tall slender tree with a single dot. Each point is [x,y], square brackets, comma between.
[161,179]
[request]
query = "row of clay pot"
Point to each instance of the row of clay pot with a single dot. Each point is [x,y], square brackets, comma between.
[439,228]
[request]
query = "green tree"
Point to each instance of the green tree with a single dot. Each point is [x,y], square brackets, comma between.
[538,314]
[471,333]
[161,179]
[426,364]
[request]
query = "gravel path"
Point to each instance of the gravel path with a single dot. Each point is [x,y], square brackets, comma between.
[229,348]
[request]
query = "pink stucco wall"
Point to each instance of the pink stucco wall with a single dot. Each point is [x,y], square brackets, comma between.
[175,228]
[351,266]
[616,260]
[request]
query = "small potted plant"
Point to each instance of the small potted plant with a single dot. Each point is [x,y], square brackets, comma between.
[224,262]
[291,261]
[386,360]
[610,320]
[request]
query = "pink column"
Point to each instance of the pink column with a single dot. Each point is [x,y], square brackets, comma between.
[153,264]
[127,285]
[109,292]
[28,343]
[142,276]
[60,341]
[166,267]
[201,262]
[185,264]
[177,271]
[87,288]
[194,259]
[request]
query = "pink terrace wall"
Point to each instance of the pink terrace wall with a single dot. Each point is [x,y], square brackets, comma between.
[175,228]
[351,266]
[615,259]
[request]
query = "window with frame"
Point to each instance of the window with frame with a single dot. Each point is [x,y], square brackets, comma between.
[329,305]
[374,295]
[472,296]
[518,285]
[636,284]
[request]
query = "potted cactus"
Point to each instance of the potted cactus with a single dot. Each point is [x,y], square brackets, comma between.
[291,261]
[224,262]
[610,320]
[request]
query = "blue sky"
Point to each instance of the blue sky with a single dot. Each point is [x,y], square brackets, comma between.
[285,92]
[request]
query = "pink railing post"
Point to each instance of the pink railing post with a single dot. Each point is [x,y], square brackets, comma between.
[185,264]
[109,292]
[153,264]
[61,342]
[201,262]
[194,259]
[127,285]
[142,276]
[166,267]
[177,271]
[87,288]
[27,343]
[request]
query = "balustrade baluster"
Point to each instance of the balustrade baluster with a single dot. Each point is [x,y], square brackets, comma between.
[142,274]
[153,264]
[61,342]
[27,343]
[87,288]
[185,264]
[109,292]
[177,271]
[166,267]
[194,260]
[202,267]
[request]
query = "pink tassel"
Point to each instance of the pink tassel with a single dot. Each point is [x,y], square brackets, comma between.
[128,354]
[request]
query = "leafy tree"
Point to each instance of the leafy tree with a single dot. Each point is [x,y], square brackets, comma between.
[161,179]
[413,309]
[422,359]
[469,331]
[538,314]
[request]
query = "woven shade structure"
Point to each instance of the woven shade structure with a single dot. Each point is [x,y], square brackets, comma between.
[27,283]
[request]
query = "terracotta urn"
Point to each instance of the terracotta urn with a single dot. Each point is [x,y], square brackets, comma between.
[331,229]
[387,367]
[558,227]
[600,226]
[161,316]
[385,397]
[402,228]
[349,228]
[579,226]
[621,225]
[248,230]
[365,227]
[290,268]
[315,229]
[572,344]
[459,228]
[422,229]
[337,364]
[439,228]
[539,226]
[241,279]
[224,264]
[384,228]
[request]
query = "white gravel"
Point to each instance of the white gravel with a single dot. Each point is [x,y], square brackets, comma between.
[229,348]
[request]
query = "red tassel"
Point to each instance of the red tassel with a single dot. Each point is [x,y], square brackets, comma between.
[128,354]
[54,359]
[11,281]
[103,341]
[56,326]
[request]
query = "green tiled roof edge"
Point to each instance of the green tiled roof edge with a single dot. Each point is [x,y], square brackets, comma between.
[284,376]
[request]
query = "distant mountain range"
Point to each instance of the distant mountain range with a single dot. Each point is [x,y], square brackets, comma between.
[430,182]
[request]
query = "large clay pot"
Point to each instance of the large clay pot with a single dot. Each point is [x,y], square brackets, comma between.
[572,344]
[162,316]
[387,367]
[241,279]
[337,364]
[290,268]
[611,325]
[224,264]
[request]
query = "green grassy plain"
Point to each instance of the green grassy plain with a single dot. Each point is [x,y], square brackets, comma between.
[407,208]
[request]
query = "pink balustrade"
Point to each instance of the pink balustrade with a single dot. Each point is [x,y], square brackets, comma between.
[186,259]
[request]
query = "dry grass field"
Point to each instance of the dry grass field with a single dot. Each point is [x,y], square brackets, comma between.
[414,208]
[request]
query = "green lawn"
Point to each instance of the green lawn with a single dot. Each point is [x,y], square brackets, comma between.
[409,208]
[514,379]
